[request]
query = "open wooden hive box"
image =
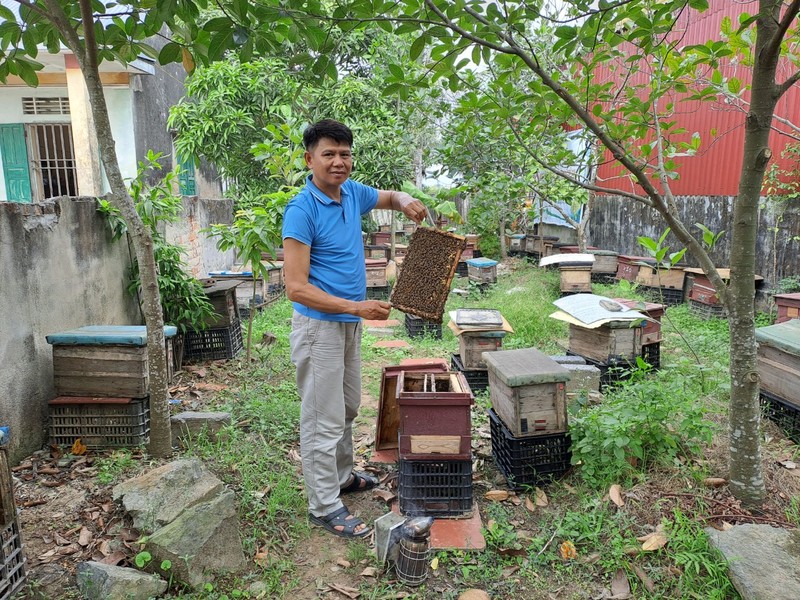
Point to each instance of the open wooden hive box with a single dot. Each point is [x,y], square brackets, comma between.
[428,269]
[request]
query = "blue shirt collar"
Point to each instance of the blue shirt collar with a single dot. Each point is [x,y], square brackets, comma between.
[321,196]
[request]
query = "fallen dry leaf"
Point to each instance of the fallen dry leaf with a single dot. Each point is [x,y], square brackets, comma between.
[384,495]
[655,542]
[369,572]
[714,481]
[345,564]
[515,500]
[615,493]
[345,590]
[261,557]
[567,551]
[529,504]
[512,552]
[114,558]
[646,581]
[78,448]
[496,495]
[61,540]
[620,588]
[85,537]
[788,464]
[541,497]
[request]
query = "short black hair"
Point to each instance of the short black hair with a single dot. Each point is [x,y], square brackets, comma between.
[327,128]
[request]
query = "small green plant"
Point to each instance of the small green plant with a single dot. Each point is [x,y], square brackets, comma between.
[142,559]
[111,467]
[793,511]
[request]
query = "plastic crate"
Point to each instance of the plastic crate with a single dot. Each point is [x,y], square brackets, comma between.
[462,270]
[707,311]
[528,460]
[379,293]
[435,488]
[213,344]
[99,422]
[651,354]
[783,414]
[478,379]
[663,295]
[418,327]
[12,561]
[606,278]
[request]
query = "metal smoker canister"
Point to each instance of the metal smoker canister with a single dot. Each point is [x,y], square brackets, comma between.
[412,559]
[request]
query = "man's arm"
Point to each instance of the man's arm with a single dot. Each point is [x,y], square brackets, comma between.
[402,202]
[296,266]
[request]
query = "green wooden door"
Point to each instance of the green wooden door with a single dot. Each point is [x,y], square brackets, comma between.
[15,162]
[186,177]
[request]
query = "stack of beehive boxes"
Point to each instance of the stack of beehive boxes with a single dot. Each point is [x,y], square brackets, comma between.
[474,340]
[435,444]
[650,341]
[778,359]
[482,271]
[528,418]
[222,336]
[101,378]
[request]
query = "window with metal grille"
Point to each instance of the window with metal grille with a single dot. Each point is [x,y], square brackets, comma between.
[52,159]
[45,106]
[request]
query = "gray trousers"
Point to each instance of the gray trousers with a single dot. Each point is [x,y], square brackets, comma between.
[327,356]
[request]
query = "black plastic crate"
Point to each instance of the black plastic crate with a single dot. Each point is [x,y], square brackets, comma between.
[478,379]
[663,295]
[607,278]
[99,424]
[12,561]
[707,311]
[462,270]
[213,344]
[379,293]
[784,414]
[651,354]
[418,327]
[435,488]
[530,460]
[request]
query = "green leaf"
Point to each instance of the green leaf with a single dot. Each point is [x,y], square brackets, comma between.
[417,46]
[170,53]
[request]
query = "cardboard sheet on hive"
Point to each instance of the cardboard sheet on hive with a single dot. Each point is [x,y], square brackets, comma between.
[428,269]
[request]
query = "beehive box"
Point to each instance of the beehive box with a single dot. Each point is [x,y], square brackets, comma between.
[473,345]
[628,266]
[482,270]
[388,424]
[376,251]
[778,360]
[515,242]
[788,306]
[575,278]
[657,277]
[221,293]
[423,285]
[99,422]
[606,344]
[605,261]
[400,251]
[651,331]
[104,360]
[380,238]
[434,404]
[528,391]
[376,272]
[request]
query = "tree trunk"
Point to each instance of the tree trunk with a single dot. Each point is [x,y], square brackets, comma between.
[746,477]
[503,249]
[160,432]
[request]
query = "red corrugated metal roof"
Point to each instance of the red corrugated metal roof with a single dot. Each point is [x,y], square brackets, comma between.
[716,168]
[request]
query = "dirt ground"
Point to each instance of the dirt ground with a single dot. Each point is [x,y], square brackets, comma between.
[68,517]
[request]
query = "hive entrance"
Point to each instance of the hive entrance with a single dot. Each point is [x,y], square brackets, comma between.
[428,269]
[429,382]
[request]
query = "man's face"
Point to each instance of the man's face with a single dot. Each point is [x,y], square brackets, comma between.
[330,162]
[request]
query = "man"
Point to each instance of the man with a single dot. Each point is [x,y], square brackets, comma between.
[326,282]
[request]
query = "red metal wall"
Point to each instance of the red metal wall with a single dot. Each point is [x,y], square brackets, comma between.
[715,169]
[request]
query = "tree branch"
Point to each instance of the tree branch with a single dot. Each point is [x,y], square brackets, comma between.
[773,47]
[445,20]
[784,87]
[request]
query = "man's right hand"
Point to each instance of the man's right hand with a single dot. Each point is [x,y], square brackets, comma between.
[376,310]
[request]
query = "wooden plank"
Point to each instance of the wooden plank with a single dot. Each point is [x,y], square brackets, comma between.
[91,353]
[435,444]
[101,386]
[8,512]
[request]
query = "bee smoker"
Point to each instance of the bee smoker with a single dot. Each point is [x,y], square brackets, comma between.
[412,563]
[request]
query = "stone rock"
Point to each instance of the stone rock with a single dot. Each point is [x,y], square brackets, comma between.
[582,377]
[97,581]
[159,496]
[474,594]
[190,424]
[201,543]
[764,561]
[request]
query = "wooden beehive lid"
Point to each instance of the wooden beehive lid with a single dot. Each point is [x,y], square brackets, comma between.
[216,287]
[481,262]
[651,309]
[628,258]
[423,285]
[784,336]
[725,274]
[603,252]
[61,400]
[106,335]
[794,296]
[375,262]
[524,366]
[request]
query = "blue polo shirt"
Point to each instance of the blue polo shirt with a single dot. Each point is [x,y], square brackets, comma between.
[333,232]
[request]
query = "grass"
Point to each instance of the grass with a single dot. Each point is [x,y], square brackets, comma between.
[658,419]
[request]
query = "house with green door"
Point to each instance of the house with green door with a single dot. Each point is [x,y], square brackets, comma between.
[47,145]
